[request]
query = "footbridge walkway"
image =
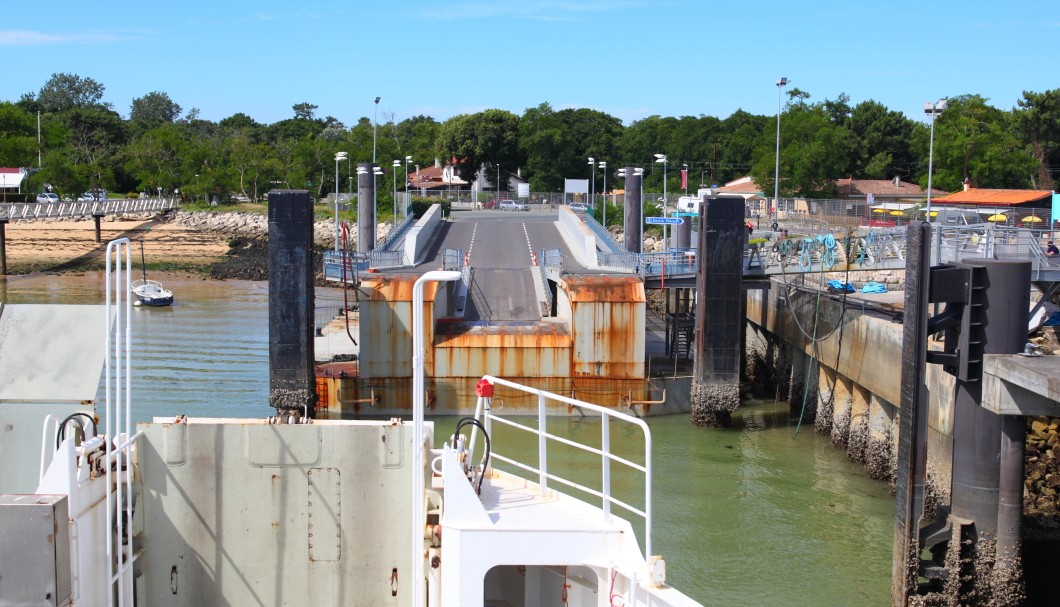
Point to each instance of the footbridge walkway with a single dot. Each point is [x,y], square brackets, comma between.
[90,208]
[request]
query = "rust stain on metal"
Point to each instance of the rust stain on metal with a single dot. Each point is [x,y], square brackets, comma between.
[620,289]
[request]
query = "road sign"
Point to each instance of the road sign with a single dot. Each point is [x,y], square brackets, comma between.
[684,214]
[672,221]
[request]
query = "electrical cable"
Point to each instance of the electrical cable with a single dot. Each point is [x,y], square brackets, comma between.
[72,417]
[464,421]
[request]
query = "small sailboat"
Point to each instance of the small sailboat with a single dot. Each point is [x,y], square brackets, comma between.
[150,292]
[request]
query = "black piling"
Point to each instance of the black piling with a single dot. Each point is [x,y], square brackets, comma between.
[911,469]
[716,377]
[291,303]
[681,237]
[97,218]
[633,223]
[366,207]
[3,247]
[998,322]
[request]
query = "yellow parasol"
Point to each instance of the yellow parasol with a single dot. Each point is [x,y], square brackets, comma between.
[1032,219]
[897,212]
[997,217]
[879,210]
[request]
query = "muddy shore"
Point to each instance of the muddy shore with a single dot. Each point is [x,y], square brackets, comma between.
[215,245]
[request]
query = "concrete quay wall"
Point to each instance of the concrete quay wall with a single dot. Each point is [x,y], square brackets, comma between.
[840,368]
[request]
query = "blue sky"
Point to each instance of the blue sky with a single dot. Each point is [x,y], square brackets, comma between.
[629,58]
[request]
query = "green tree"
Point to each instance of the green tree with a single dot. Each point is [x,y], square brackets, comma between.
[18,136]
[885,142]
[736,146]
[977,142]
[64,92]
[482,141]
[815,151]
[1038,122]
[153,109]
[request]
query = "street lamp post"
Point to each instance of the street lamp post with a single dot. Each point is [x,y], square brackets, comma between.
[662,159]
[776,176]
[684,165]
[592,180]
[639,172]
[408,199]
[933,110]
[340,156]
[376,172]
[603,167]
[397,164]
[375,114]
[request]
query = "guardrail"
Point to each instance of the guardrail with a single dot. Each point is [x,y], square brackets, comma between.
[396,233]
[601,233]
[490,415]
[58,210]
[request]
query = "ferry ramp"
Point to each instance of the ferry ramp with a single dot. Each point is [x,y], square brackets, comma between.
[501,250]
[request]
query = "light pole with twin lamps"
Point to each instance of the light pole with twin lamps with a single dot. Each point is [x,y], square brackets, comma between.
[408,199]
[592,180]
[603,211]
[397,164]
[933,110]
[340,156]
[776,175]
[662,159]
[375,114]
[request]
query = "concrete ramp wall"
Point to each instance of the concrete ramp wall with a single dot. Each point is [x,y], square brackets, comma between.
[420,234]
[579,238]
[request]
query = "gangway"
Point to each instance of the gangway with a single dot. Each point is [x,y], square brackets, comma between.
[86,208]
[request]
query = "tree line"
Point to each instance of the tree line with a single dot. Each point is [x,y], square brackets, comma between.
[85,143]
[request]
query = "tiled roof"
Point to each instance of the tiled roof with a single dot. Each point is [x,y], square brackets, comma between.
[987,197]
[882,187]
[743,185]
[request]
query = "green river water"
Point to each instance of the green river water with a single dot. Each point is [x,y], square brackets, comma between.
[756,514]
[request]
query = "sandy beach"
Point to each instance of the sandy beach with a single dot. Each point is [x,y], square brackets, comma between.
[65,246]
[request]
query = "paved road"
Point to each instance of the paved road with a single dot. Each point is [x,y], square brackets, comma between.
[500,246]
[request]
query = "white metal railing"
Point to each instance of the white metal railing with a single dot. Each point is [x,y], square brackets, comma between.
[86,208]
[543,437]
[118,423]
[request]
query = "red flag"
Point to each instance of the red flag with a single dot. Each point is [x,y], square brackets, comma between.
[684,178]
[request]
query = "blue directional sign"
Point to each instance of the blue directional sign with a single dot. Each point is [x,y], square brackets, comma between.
[684,214]
[663,220]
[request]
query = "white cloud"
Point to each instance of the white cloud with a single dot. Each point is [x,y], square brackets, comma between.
[32,38]
[548,10]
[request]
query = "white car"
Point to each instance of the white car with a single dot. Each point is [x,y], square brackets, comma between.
[511,205]
[47,198]
[92,195]
[578,207]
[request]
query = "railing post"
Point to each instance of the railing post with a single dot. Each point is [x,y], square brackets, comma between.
[542,445]
[605,446]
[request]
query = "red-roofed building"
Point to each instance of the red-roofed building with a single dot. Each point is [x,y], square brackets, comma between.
[1015,207]
[883,190]
[12,177]
[983,197]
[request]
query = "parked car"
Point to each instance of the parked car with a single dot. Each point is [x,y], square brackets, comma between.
[91,195]
[47,197]
[578,207]
[489,204]
[511,205]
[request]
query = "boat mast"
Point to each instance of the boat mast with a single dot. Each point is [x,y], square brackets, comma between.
[143,262]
